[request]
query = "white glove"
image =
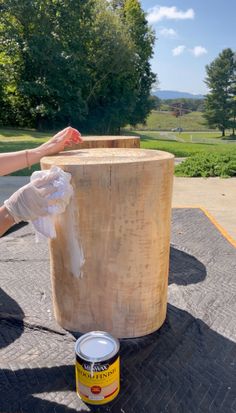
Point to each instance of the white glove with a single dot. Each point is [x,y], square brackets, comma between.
[34,199]
[46,225]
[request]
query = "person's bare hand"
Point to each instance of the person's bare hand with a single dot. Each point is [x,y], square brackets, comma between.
[66,137]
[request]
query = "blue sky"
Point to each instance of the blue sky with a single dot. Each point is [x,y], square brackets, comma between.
[191,34]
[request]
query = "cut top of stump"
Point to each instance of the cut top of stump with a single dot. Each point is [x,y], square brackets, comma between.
[106,156]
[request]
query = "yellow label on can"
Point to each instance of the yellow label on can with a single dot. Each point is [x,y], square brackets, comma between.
[97,383]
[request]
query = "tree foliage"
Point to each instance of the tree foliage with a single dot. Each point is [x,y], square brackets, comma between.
[187,104]
[220,102]
[143,38]
[155,102]
[84,63]
[44,54]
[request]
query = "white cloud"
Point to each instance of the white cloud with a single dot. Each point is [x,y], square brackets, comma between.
[171,33]
[198,51]
[158,13]
[178,50]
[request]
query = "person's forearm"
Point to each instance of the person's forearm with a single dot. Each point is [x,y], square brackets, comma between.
[10,162]
[6,220]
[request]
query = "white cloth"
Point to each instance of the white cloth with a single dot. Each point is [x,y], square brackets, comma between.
[59,200]
[38,198]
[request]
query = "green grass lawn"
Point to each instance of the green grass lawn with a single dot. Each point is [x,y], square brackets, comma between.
[193,137]
[184,148]
[157,120]
[21,136]
[12,140]
[16,140]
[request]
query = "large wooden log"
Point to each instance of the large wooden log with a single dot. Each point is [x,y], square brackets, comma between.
[119,219]
[90,142]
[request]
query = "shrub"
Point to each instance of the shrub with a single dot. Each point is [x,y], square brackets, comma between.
[206,165]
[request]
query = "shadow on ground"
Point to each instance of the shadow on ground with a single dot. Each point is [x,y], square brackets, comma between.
[11,320]
[14,228]
[184,367]
[185,269]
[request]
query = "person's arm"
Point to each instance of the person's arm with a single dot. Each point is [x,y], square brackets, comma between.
[6,220]
[11,162]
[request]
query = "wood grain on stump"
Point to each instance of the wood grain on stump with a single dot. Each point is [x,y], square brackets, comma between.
[119,219]
[90,142]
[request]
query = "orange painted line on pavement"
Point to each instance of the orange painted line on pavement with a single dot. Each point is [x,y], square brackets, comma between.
[214,222]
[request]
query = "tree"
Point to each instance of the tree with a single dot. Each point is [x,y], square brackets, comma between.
[110,91]
[117,4]
[232,92]
[177,109]
[155,102]
[44,59]
[144,38]
[220,104]
[1,96]
[188,104]
[81,63]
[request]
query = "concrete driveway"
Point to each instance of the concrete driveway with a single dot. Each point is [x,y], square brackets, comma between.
[216,195]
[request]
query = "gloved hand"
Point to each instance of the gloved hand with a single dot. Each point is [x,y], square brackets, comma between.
[34,199]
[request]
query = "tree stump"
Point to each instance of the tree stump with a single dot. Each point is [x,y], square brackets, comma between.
[118,221]
[90,142]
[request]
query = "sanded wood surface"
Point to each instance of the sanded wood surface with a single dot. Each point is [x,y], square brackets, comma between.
[120,218]
[112,141]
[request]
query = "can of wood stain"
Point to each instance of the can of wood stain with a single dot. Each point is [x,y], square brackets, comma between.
[97,367]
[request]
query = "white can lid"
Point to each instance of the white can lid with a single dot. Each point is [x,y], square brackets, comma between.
[96,346]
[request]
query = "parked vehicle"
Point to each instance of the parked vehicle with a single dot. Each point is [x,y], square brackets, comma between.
[177,130]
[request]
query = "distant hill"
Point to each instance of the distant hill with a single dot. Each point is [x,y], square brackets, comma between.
[173,94]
